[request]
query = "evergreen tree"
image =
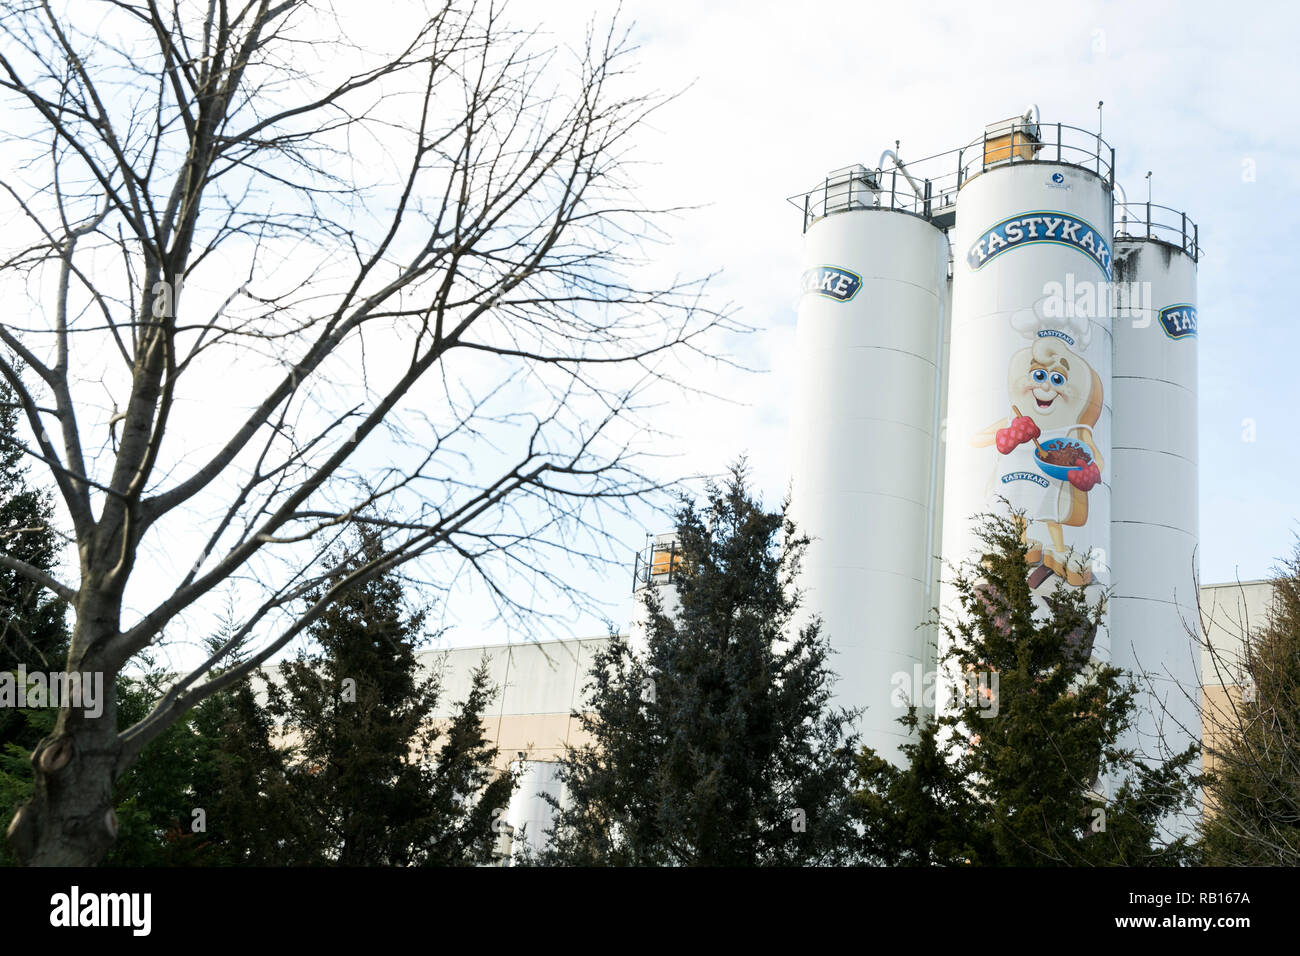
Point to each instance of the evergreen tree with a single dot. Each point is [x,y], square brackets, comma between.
[16,779]
[241,808]
[33,625]
[1017,773]
[466,794]
[364,771]
[1253,793]
[239,781]
[716,746]
[923,815]
[154,799]
[365,775]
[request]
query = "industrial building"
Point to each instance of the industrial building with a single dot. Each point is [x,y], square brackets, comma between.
[541,688]
[991,326]
[996,324]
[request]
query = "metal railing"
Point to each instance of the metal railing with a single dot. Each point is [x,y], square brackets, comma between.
[656,564]
[1148,220]
[857,187]
[1046,143]
[929,186]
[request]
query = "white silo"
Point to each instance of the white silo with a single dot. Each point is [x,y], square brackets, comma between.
[529,814]
[867,417]
[939,466]
[1154,532]
[1031,352]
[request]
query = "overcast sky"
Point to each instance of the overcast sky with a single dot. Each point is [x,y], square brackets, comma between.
[777,94]
[774,95]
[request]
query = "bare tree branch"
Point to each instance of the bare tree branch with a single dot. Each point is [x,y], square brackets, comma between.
[281,284]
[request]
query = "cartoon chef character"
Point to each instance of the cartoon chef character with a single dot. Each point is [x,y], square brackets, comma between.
[1053,393]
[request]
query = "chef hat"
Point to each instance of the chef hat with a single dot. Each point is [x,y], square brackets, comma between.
[1032,323]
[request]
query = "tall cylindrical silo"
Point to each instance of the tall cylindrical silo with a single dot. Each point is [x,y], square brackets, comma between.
[1031,359]
[870,336]
[1154,618]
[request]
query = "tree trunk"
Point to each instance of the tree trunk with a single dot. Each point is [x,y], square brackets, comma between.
[70,819]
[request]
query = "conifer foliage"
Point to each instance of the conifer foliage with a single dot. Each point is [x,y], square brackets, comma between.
[715,743]
[1027,768]
[372,777]
[1253,793]
[33,625]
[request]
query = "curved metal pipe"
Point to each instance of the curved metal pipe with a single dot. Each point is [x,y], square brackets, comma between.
[1123,205]
[890,154]
[1032,110]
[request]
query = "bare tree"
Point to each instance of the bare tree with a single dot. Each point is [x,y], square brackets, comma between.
[280,283]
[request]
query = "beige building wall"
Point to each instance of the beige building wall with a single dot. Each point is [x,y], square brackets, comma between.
[539,687]
[1229,612]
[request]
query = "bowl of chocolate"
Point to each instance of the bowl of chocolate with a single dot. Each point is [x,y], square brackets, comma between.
[1058,457]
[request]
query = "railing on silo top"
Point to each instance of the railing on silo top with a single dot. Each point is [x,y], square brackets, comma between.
[657,563]
[1148,220]
[934,180]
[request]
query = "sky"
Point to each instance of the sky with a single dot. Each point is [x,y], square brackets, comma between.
[776,95]
[769,97]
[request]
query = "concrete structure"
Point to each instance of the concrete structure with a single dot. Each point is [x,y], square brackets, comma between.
[958,347]
[1031,368]
[1228,613]
[654,571]
[958,355]
[1155,521]
[539,689]
[865,462]
[533,720]
[530,813]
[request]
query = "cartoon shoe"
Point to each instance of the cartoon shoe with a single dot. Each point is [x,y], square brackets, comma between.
[1072,567]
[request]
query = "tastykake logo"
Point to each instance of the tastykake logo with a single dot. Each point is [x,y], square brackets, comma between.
[1179,321]
[1029,228]
[1025,476]
[832,282]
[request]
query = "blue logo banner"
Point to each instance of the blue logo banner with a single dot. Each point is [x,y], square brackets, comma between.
[832,282]
[1029,228]
[1024,476]
[1179,321]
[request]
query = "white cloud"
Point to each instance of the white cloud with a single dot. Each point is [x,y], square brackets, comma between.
[773,95]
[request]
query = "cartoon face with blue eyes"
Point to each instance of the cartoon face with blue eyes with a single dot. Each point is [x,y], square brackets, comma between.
[1051,384]
[1041,377]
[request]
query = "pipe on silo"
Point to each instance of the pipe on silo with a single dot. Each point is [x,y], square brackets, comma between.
[890,154]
